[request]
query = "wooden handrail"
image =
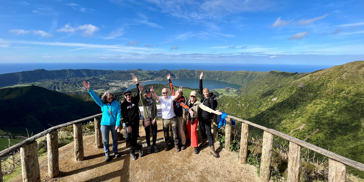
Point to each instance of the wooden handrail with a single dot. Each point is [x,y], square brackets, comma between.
[302,143]
[45,132]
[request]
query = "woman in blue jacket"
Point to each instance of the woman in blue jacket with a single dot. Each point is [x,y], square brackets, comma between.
[110,118]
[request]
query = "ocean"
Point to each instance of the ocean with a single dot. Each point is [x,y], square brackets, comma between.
[18,67]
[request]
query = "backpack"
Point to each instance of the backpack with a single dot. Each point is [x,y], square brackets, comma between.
[214,101]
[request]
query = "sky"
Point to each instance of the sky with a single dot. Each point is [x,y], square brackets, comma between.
[182,31]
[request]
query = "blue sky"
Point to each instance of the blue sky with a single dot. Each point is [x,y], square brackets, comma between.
[188,31]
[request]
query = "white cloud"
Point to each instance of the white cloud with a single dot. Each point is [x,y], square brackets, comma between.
[351,33]
[35,32]
[72,4]
[144,20]
[131,43]
[19,31]
[299,35]
[87,30]
[25,3]
[148,45]
[310,21]
[3,43]
[116,33]
[83,10]
[41,33]
[280,23]
[202,35]
[174,47]
[273,56]
[351,25]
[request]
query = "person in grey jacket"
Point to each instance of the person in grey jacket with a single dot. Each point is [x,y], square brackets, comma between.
[150,117]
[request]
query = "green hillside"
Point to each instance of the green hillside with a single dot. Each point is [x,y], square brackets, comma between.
[36,109]
[330,101]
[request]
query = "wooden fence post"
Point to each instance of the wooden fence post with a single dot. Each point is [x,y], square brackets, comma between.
[337,171]
[294,162]
[227,133]
[78,141]
[29,162]
[52,149]
[266,156]
[244,143]
[98,135]
[1,173]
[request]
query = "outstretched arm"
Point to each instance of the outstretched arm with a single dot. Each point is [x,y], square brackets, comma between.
[154,94]
[92,93]
[170,84]
[201,85]
[207,109]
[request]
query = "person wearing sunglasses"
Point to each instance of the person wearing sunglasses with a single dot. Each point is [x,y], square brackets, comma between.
[130,112]
[178,106]
[168,116]
[110,120]
[150,117]
[194,106]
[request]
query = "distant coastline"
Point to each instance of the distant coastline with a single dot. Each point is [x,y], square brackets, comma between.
[18,67]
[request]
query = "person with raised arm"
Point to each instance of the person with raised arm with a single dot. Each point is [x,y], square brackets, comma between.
[178,106]
[130,112]
[168,115]
[192,115]
[110,120]
[206,118]
[150,117]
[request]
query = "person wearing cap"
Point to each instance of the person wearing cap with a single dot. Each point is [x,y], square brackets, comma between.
[130,112]
[178,105]
[110,121]
[168,116]
[192,115]
[150,117]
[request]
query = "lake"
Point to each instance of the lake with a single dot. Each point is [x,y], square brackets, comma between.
[193,83]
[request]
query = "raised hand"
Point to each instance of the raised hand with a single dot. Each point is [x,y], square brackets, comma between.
[180,88]
[168,76]
[151,89]
[86,85]
[135,80]
[201,75]
[140,88]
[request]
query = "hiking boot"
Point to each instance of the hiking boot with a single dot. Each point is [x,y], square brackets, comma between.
[155,149]
[107,159]
[167,147]
[177,148]
[141,152]
[132,156]
[149,149]
[117,155]
[213,153]
[183,147]
[196,150]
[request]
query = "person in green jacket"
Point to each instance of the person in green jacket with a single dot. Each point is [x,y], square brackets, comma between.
[150,117]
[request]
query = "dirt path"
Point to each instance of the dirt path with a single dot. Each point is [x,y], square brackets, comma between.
[162,166]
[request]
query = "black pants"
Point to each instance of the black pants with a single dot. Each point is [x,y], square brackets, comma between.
[132,137]
[205,126]
[154,132]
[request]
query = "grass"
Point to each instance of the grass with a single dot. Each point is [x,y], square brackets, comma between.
[225,92]
[2,133]
[4,143]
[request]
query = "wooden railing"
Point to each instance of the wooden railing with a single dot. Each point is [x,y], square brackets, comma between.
[29,153]
[30,164]
[337,168]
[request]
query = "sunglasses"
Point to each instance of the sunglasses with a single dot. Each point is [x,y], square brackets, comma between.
[192,96]
[127,95]
[164,92]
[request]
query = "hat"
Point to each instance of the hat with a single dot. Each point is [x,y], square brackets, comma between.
[193,93]
[127,91]
[147,90]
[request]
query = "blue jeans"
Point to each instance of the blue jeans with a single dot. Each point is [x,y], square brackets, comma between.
[105,136]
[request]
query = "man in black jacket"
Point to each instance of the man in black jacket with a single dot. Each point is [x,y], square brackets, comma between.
[130,113]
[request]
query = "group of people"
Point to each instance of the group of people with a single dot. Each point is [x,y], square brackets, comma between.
[177,111]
